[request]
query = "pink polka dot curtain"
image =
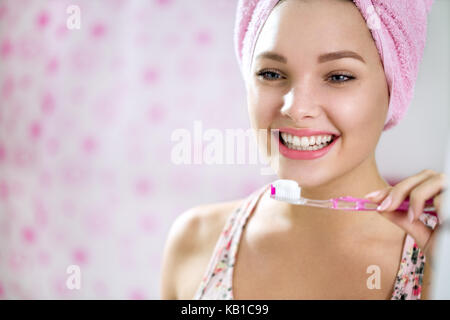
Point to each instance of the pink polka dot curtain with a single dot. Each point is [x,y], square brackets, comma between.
[86,117]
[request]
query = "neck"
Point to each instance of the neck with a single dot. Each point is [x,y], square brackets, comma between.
[356,183]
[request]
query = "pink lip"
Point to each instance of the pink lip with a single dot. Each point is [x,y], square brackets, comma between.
[305,155]
[306,132]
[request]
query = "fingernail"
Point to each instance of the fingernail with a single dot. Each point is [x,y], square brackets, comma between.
[372,194]
[385,203]
[410,215]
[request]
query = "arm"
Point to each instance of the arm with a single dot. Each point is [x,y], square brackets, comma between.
[426,281]
[179,244]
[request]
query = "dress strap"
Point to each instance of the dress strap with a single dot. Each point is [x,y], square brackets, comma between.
[220,260]
[408,284]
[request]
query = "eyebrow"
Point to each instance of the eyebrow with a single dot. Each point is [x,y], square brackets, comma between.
[321,59]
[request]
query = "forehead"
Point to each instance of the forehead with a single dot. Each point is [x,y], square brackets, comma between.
[315,26]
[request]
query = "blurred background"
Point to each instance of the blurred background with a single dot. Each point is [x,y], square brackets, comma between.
[86,120]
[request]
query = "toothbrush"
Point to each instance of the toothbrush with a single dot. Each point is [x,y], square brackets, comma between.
[289,191]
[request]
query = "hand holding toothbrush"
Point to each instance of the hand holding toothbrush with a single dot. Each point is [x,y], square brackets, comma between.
[421,195]
[427,184]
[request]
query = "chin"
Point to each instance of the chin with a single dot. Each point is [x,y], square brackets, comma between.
[305,178]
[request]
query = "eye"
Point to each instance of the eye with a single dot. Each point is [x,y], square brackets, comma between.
[341,77]
[266,72]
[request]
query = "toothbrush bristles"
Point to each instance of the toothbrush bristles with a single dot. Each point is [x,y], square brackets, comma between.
[287,194]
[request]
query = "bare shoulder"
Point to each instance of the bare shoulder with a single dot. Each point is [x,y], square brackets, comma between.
[209,219]
[189,246]
[202,224]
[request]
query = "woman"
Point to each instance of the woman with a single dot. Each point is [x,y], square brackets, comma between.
[323,66]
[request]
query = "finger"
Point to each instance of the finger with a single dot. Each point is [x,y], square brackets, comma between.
[438,199]
[437,205]
[401,190]
[426,190]
[437,202]
[378,195]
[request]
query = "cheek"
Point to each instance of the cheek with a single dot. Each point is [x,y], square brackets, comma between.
[362,109]
[262,109]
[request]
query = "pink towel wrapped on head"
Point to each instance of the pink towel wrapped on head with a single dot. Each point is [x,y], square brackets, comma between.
[398,27]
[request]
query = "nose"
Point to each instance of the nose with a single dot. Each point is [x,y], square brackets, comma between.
[299,105]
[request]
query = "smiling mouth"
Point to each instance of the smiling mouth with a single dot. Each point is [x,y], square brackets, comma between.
[305,146]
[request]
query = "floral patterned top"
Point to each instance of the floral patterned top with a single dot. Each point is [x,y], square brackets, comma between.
[216,283]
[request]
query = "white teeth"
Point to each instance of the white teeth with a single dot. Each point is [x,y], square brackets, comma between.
[305,143]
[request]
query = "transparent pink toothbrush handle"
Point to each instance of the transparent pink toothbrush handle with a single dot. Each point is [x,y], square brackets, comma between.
[404,206]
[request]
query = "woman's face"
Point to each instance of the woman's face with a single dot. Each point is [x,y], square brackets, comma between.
[310,89]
